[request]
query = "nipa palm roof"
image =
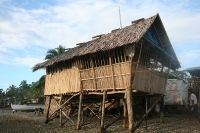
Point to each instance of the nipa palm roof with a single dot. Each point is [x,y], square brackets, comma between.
[119,37]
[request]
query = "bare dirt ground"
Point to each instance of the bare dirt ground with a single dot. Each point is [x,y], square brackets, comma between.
[27,122]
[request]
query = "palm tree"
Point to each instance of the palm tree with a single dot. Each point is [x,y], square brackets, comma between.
[38,86]
[54,52]
[51,54]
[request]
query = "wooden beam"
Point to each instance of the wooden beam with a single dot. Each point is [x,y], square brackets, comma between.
[130,109]
[144,116]
[112,71]
[79,111]
[88,107]
[146,109]
[103,112]
[112,122]
[68,117]
[63,112]
[48,119]
[162,109]
[124,111]
[49,103]
[94,76]
[60,111]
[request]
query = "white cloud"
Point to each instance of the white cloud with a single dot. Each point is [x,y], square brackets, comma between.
[71,22]
[27,61]
[190,58]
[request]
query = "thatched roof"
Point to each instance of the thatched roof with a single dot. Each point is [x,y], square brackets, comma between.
[119,37]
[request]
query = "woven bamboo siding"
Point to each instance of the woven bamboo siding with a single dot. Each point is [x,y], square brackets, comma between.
[103,71]
[66,81]
[104,83]
[88,73]
[88,84]
[54,106]
[122,75]
[148,81]
[121,68]
[87,78]
[102,77]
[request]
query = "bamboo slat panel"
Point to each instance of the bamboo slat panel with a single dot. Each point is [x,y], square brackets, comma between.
[102,78]
[122,81]
[103,71]
[62,82]
[88,84]
[104,83]
[148,81]
[88,73]
[121,68]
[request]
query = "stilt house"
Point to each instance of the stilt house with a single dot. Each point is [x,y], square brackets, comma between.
[121,64]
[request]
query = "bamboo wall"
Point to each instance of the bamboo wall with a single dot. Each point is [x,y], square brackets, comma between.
[115,76]
[54,105]
[147,81]
[65,81]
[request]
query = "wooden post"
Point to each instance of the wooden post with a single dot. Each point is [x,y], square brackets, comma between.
[199,96]
[130,109]
[94,77]
[146,109]
[118,107]
[113,78]
[103,112]
[143,117]
[124,111]
[162,109]
[78,127]
[61,111]
[47,115]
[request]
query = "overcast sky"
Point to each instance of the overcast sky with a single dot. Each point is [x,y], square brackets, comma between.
[28,28]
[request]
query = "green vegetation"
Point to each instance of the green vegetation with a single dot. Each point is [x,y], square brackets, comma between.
[25,91]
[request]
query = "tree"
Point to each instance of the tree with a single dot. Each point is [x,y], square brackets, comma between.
[38,87]
[23,90]
[176,74]
[11,91]
[54,52]
[2,96]
[51,54]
